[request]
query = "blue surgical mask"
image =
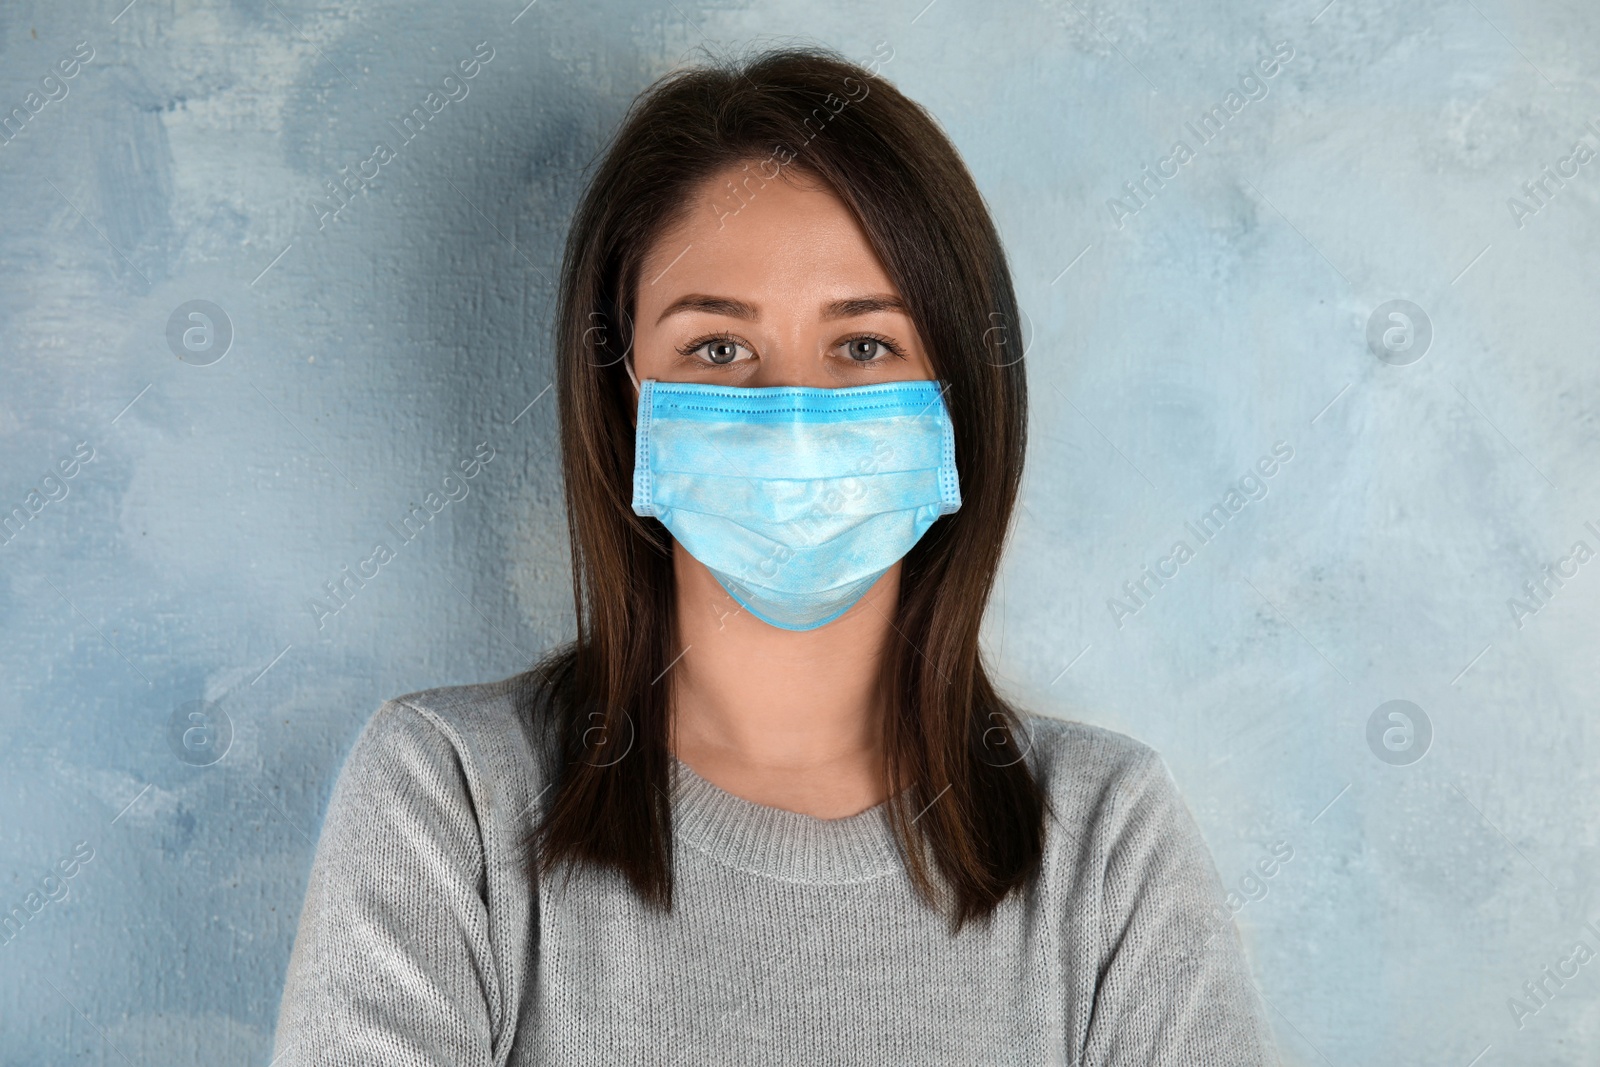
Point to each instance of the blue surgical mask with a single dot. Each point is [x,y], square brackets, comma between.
[796,499]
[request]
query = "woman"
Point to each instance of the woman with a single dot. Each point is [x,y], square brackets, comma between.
[768,807]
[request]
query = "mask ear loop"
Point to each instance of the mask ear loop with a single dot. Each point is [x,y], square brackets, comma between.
[627,363]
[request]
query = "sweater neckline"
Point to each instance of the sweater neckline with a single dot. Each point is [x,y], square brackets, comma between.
[786,845]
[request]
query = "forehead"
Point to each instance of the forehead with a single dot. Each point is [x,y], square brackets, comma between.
[789,234]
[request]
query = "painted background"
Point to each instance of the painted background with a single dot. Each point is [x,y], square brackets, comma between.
[354,351]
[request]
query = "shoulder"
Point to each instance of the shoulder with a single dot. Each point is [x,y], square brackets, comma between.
[484,713]
[1128,867]
[465,748]
[1108,791]
[1075,759]
[418,915]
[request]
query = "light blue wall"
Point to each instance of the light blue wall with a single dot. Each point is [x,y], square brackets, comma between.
[373,350]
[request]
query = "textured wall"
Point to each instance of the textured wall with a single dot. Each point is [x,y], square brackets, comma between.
[188,485]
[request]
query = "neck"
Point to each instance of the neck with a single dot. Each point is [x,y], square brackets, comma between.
[790,719]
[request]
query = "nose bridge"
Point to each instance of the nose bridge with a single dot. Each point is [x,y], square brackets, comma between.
[795,351]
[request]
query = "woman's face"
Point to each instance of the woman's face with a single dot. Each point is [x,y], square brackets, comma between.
[785,290]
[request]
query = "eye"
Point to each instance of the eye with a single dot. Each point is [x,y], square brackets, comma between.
[868,348]
[718,351]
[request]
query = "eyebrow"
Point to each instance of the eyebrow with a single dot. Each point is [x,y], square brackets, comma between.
[862,305]
[738,309]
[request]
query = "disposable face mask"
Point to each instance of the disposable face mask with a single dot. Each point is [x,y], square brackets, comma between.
[796,499]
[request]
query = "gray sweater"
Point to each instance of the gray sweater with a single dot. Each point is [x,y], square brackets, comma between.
[793,940]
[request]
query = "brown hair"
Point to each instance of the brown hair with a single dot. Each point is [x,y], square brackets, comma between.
[951,742]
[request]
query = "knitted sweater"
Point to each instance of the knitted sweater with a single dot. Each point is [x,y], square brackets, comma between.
[792,940]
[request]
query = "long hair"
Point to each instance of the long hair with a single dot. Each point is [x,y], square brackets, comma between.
[964,805]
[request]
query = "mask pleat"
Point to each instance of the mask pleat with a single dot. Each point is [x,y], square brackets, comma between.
[806,503]
[791,564]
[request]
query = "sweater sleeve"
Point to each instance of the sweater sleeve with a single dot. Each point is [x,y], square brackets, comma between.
[1174,985]
[392,961]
